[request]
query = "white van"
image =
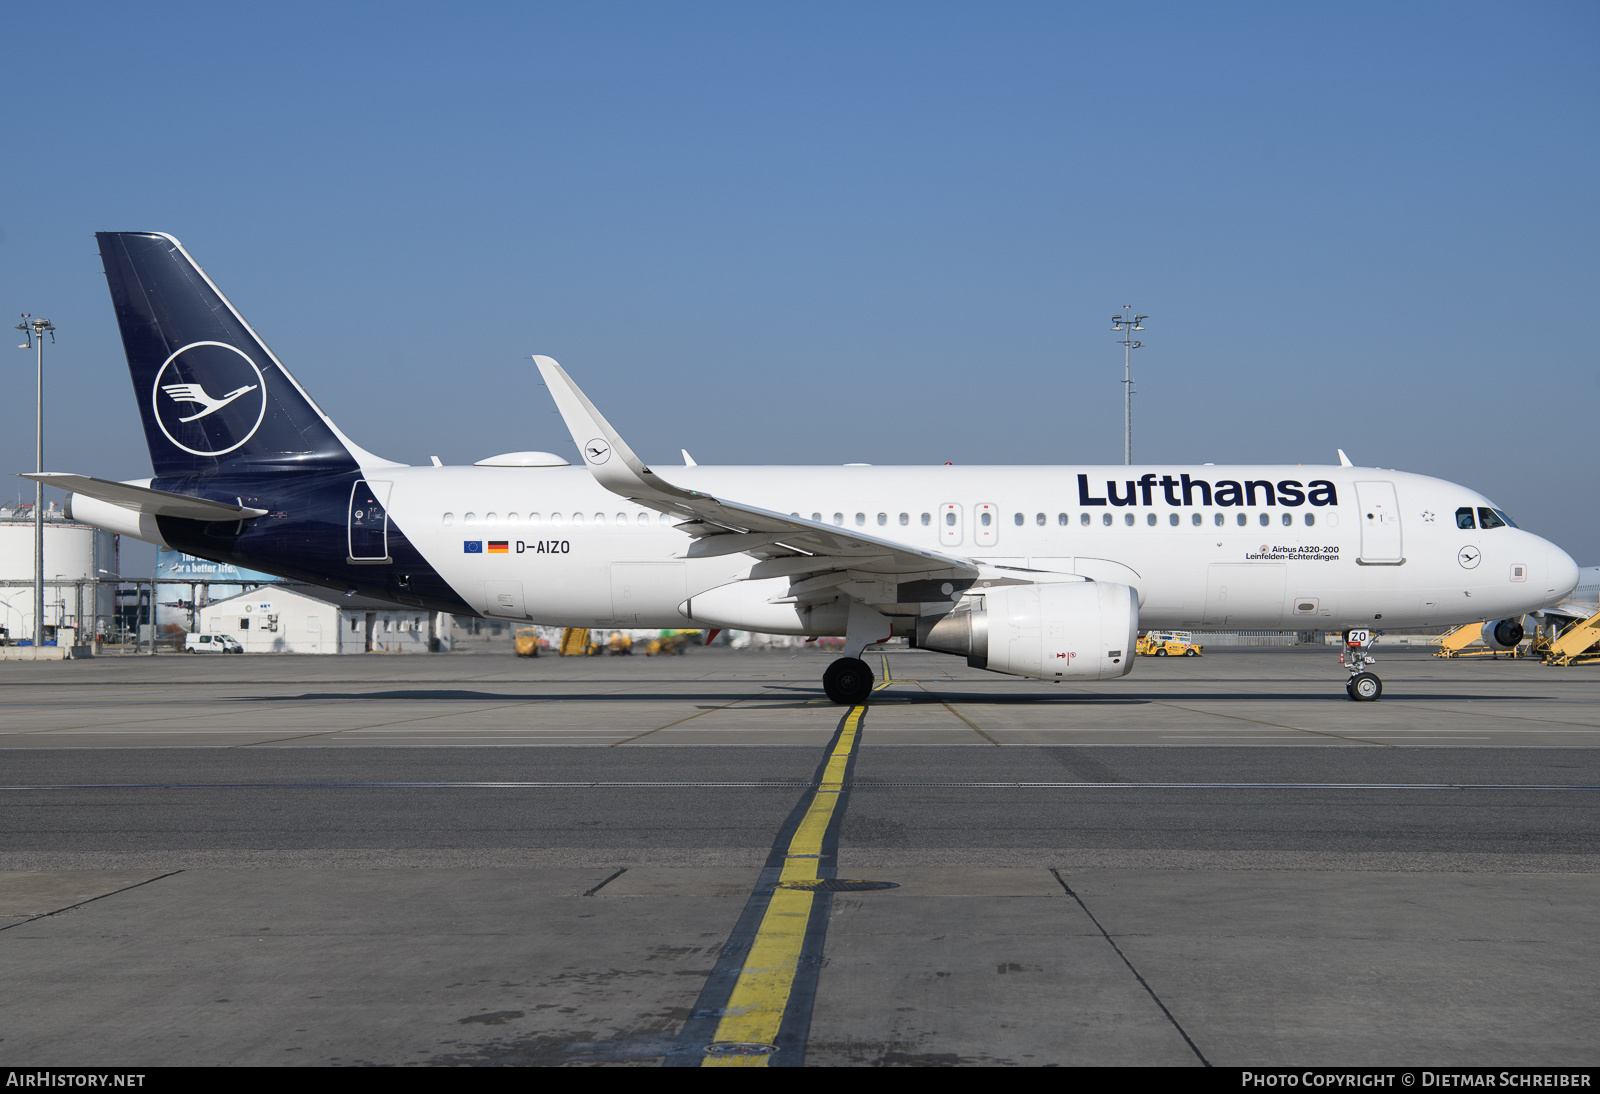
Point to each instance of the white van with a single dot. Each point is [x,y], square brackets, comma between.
[211,643]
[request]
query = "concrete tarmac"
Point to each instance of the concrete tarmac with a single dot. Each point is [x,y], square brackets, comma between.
[484,860]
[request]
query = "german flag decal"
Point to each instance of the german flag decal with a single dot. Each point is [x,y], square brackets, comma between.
[499,546]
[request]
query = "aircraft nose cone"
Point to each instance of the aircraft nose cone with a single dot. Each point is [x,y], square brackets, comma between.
[1561,572]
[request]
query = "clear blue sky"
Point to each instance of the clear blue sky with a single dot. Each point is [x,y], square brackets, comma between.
[818,232]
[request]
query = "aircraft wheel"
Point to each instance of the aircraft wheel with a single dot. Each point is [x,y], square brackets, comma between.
[1364,687]
[848,681]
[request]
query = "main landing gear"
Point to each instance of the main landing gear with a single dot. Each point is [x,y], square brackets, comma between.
[848,681]
[1363,686]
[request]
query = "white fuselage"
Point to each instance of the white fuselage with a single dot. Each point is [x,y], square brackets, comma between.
[1383,549]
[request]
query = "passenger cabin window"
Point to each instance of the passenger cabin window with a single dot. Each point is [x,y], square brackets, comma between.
[1265,520]
[1017,519]
[1464,518]
[1105,518]
[666,518]
[577,518]
[644,518]
[1150,519]
[985,519]
[449,519]
[1061,519]
[1488,518]
[1083,519]
[1288,519]
[1127,518]
[1218,519]
[950,519]
[838,520]
[1038,518]
[883,518]
[1311,518]
[817,517]
[471,518]
[927,519]
[905,519]
[1172,519]
[861,520]
[1194,519]
[1242,519]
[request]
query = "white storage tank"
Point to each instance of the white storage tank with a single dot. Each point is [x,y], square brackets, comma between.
[80,573]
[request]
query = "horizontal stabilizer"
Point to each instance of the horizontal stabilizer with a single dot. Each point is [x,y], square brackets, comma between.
[142,499]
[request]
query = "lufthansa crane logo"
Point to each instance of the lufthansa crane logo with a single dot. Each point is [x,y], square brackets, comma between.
[209,398]
[597,451]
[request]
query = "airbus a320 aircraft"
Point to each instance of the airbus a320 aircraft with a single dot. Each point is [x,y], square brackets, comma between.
[1042,572]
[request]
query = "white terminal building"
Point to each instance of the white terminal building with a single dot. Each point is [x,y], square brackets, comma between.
[80,574]
[305,619]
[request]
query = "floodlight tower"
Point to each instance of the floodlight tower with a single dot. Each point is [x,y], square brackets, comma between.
[35,330]
[1126,324]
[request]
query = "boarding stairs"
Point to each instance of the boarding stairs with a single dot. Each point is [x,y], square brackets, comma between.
[1467,641]
[1577,645]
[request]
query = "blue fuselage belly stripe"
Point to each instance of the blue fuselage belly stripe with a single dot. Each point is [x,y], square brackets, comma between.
[304,537]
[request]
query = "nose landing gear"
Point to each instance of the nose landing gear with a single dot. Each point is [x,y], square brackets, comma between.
[1363,686]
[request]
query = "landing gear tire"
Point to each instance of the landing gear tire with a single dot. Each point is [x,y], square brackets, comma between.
[848,681]
[1364,687]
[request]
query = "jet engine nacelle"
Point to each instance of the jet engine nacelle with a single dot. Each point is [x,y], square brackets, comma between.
[1083,630]
[1502,634]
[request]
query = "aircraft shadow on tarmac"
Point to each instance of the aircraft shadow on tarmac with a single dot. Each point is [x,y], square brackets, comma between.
[779,696]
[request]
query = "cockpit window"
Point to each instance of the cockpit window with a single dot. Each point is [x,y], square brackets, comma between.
[1464,517]
[1501,513]
[1488,518]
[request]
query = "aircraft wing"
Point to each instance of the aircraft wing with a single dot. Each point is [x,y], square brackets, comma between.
[824,560]
[142,499]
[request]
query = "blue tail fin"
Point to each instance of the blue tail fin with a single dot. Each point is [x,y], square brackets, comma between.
[212,395]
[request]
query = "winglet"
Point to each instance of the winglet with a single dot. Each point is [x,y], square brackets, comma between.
[1344,461]
[604,452]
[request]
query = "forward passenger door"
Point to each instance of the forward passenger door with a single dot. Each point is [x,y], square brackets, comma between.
[1380,524]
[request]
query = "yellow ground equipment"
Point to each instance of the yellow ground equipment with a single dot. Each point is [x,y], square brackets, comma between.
[1459,643]
[1168,644]
[575,642]
[621,642]
[671,642]
[1577,644]
[526,642]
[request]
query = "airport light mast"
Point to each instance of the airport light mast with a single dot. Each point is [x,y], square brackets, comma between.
[35,330]
[1126,324]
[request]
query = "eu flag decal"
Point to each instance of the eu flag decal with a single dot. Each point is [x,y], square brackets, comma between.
[499,546]
[472,546]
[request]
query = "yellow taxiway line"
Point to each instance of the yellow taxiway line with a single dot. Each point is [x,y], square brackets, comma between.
[761,993]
